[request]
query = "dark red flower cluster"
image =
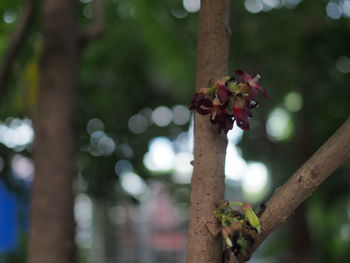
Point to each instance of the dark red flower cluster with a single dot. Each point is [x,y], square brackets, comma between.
[228,100]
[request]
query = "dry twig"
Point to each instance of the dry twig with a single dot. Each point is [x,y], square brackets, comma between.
[17,40]
[97,26]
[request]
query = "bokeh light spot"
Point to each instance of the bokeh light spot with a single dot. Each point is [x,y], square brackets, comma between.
[122,166]
[162,116]
[345,232]
[93,125]
[255,178]
[183,142]
[192,6]
[16,133]
[106,145]
[272,3]
[87,11]
[101,144]
[333,10]
[346,8]
[22,167]
[235,135]
[160,156]
[279,125]
[125,151]
[343,64]
[133,184]
[181,115]
[293,101]
[179,13]
[255,182]
[291,3]
[83,217]
[183,168]
[9,16]
[137,124]
[126,10]
[235,165]
[253,6]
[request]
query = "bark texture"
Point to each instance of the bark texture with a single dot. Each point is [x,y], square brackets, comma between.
[52,221]
[209,147]
[304,181]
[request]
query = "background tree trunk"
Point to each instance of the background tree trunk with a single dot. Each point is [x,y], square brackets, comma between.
[301,249]
[208,180]
[52,221]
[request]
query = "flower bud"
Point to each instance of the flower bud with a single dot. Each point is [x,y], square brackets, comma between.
[204,90]
[252,218]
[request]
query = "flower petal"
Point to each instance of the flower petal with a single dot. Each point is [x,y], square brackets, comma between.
[243,76]
[241,118]
[223,93]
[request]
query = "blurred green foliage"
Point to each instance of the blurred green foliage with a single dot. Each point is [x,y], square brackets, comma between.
[147,58]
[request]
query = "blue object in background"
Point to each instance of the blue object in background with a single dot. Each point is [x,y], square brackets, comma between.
[8,220]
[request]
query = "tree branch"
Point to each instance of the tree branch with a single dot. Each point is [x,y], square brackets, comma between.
[16,41]
[304,181]
[97,26]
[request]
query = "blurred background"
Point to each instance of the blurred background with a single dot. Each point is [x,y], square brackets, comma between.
[135,137]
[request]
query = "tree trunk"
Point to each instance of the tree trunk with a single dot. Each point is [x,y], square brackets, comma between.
[301,244]
[301,249]
[52,221]
[208,182]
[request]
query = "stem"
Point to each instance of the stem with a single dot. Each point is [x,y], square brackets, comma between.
[236,203]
